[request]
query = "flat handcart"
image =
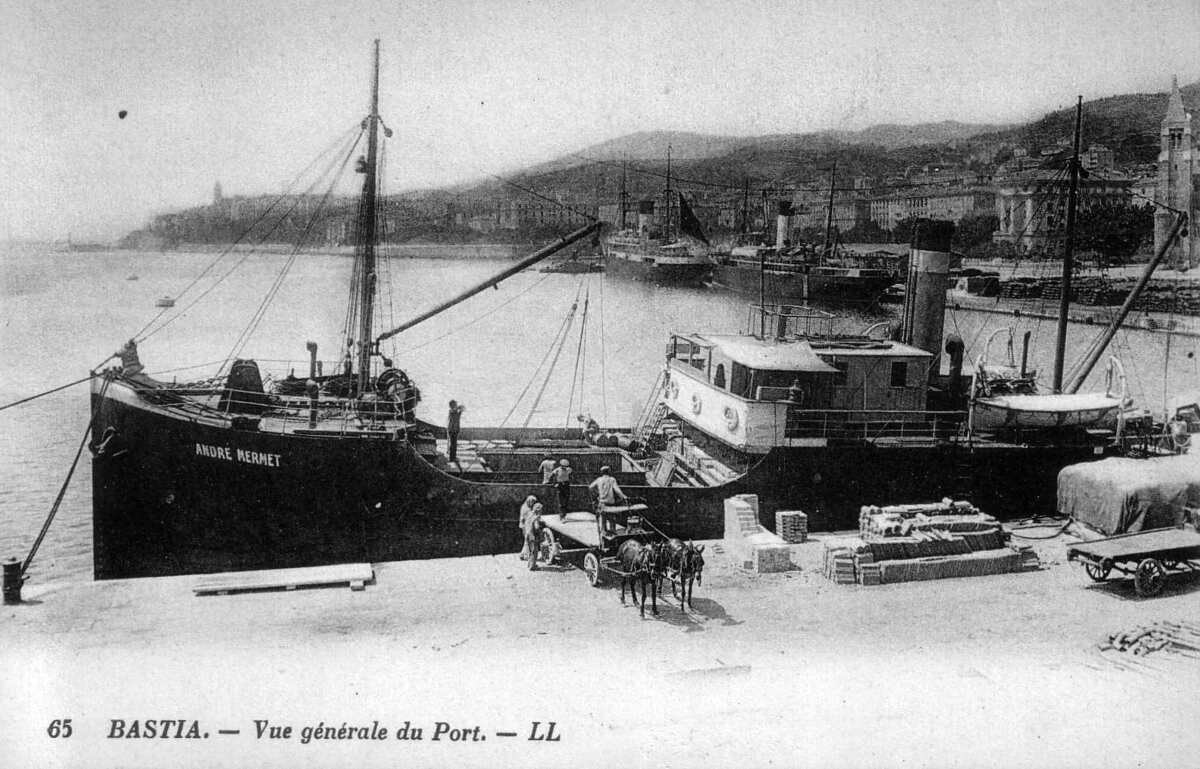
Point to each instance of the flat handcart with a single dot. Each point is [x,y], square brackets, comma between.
[1147,556]
[597,536]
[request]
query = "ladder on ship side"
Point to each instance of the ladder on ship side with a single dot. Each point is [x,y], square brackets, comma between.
[961,466]
[655,411]
[654,422]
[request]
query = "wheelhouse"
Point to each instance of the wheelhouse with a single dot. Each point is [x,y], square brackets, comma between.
[795,382]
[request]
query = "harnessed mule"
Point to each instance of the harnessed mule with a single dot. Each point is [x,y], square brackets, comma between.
[640,563]
[685,564]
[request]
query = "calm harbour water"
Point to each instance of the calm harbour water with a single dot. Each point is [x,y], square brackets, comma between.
[62,313]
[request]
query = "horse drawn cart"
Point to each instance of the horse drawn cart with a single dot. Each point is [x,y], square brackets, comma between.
[598,536]
[1147,556]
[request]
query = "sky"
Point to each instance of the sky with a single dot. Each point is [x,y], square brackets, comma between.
[248,93]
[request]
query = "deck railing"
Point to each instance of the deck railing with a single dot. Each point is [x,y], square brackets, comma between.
[870,425]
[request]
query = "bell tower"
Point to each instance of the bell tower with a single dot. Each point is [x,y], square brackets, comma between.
[1178,172]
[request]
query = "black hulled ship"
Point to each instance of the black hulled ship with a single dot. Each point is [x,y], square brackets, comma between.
[246,471]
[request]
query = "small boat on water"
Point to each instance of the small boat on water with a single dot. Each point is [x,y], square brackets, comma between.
[165,301]
[131,277]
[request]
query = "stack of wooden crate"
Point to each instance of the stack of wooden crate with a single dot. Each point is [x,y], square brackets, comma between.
[792,526]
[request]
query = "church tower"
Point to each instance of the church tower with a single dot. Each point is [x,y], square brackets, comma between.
[218,196]
[1178,179]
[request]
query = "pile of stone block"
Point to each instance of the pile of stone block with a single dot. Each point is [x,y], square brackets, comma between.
[750,544]
[792,526]
[840,562]
[903,543]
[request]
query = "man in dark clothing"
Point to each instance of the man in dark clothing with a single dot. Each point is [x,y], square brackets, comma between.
[453,425]
[562,483]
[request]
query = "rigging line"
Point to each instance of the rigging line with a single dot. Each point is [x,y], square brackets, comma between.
[603,357]
[558,203]
[550,370]
[1167,351]
[66,482]
[261,312]
[1153,201]
[561,343]
[256,319]
[186,368]
[472,322]
[575,375]
[242,235]
[387,254]
[245,256]
[1033,218]
[560,333]
[47,392]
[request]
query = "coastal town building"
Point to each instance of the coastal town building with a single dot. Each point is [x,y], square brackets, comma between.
[1032,207]
[1178,182]
[949,203]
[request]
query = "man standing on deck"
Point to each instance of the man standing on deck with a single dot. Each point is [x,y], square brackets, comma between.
[606,489]
[562,483]
[547,467]
[453,425]
[128,355]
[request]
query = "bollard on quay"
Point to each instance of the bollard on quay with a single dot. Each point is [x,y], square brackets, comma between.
[12,581]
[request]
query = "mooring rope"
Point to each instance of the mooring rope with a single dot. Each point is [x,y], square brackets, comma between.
[66,482]
[47,392]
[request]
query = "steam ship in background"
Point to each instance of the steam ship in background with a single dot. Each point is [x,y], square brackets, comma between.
[784,273]
[672,249]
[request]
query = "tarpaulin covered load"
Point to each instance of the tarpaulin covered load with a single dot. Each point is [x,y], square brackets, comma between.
[1117,495]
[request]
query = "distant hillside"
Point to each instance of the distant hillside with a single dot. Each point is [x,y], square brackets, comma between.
[892,136]
[773,159]
[1128,124]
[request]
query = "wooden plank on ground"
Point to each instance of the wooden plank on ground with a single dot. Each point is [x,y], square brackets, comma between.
[355,575]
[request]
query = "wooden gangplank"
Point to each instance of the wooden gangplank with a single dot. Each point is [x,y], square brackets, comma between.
[354,575]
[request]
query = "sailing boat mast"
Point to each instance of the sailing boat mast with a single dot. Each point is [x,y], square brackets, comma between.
[668,238]
[367,224]
[1064,302]
[624,194]
[825,250]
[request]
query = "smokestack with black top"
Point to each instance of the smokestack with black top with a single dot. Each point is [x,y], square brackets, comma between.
[645,214]
[781,224]
[928,275]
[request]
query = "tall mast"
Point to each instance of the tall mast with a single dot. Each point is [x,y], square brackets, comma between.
[367,236]
[624,195]
[1064,302]
[829,215]
[745,204]
[668,238]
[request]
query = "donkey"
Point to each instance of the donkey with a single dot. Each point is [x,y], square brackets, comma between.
[685,564]
[640,563]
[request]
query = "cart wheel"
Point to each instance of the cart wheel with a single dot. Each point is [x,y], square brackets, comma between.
[591,567]
[1098,571]
[549,548]
[1150,577]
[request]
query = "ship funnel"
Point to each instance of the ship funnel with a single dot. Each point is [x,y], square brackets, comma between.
[781,224]
[928,276]
[645,214]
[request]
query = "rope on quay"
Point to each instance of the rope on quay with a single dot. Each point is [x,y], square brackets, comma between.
[1033,524]
[48,392]
[57,500]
